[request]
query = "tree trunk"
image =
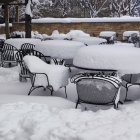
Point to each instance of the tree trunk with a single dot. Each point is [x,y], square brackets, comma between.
[17,14]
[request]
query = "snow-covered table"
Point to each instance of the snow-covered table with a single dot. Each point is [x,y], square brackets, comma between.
[61,49]
[90,40]
[17,42]
[123,59]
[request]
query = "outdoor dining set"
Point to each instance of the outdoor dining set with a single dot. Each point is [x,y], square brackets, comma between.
[102,66]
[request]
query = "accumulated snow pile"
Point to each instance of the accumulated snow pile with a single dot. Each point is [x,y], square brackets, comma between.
[129,33]
[3,36]
[59,48]
[119,44]
[124,59]
[56,35]
[76,33]
[107,34]
[22,121]
[90,40]
[57,74]
[9,74]
[17,42]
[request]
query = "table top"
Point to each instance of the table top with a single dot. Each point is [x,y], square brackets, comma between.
[63,49]
[104,57]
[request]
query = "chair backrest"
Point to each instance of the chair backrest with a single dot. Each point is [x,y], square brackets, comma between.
[27,46]
[8,52]
[97,89]
[131,78]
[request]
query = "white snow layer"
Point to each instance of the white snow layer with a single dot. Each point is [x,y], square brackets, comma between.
[122,58]
[57,74]
[22,121]
[3,25]
[28,9]
[76,20]
[107,34]
[59,48]
[17,42]
[90,40]
[129,33]
[76,33]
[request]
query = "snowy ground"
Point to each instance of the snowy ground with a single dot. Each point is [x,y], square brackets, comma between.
[41,117]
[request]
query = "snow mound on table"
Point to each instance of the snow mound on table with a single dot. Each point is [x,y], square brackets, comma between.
[17,42]
[76,33]
[9,75]
[129,33]
[107,34]
[63,49]
[57,74]
[90,40]
[56,35]
[124,59]
[23,121]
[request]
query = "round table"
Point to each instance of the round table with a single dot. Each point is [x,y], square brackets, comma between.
[61,49]
[109,57]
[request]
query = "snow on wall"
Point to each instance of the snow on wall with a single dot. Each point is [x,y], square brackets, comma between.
[76,20]
[3,25]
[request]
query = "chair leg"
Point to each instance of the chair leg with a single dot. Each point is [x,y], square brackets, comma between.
[65,91]
[33,88]
[116,106]
[77,104]
[126,99]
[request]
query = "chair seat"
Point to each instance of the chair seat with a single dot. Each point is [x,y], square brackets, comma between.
[97,89]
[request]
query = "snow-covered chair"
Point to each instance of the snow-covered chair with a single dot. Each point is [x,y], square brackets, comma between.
[46,75]
[8,54]
[131,36]
[97,89]
[24,72]
[130,80]
[110,36]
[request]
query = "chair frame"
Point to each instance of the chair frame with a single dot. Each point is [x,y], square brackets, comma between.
[78,77]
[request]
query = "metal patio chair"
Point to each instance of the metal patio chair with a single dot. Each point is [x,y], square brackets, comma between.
[24,73]
[8,54]
[97,89]
[34,76]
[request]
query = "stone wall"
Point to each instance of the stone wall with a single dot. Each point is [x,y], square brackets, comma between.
[2,29]
[92,28]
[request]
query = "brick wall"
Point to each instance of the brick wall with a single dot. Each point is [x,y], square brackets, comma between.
[92,28]
[2,29]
